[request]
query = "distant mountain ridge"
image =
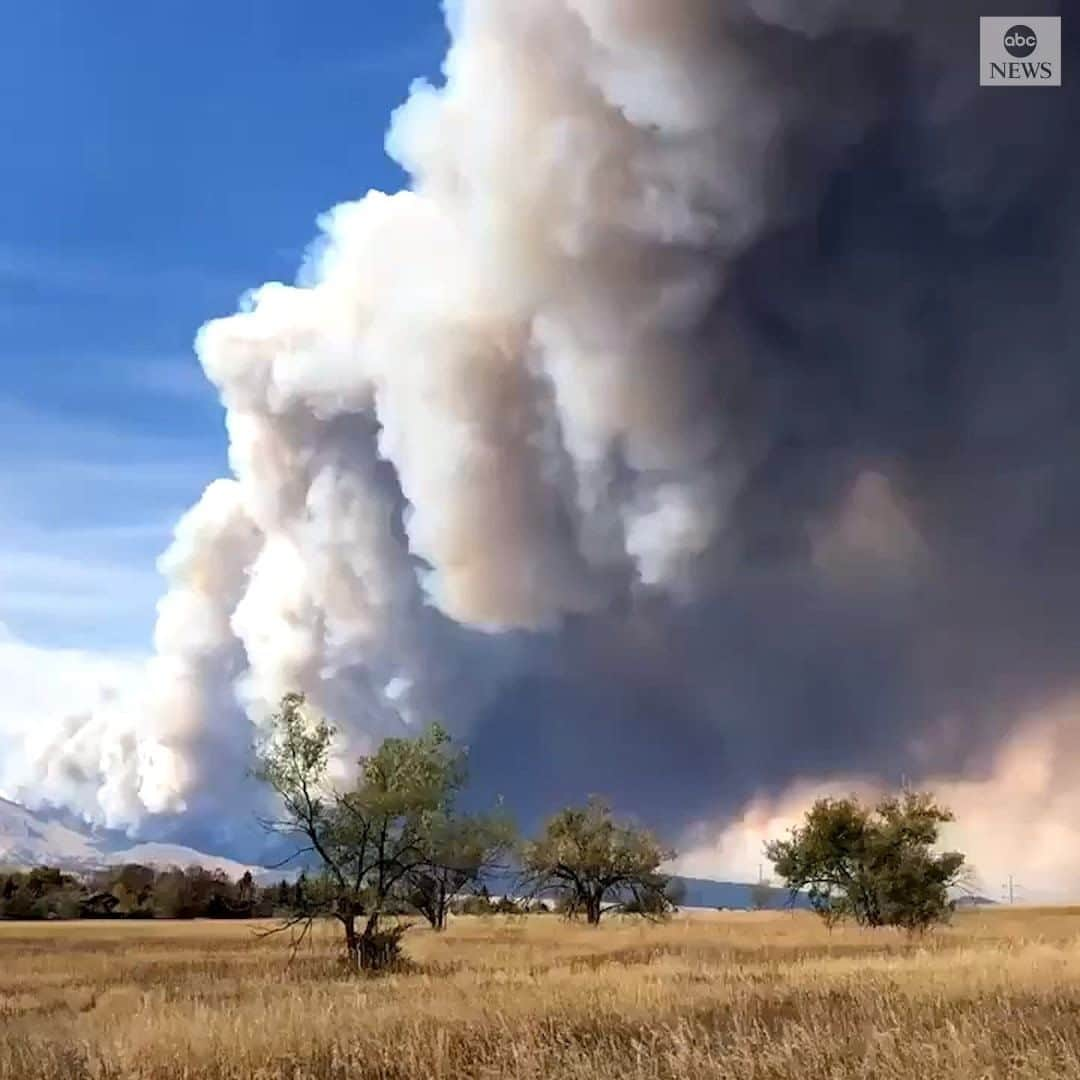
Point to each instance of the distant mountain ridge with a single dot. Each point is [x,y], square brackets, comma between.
[696,893]
[29,839]
[703,893]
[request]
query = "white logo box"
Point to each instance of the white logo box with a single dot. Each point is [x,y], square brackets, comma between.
[1021,50]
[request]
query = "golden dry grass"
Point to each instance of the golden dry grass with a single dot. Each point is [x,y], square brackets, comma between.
[734,996]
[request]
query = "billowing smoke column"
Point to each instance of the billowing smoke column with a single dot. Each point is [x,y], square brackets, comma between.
[702,420]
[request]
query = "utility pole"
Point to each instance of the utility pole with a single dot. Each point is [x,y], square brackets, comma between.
[1010,886]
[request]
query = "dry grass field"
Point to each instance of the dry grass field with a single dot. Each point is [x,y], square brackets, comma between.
[733,996]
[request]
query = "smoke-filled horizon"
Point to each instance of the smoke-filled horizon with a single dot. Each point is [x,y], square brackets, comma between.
[698,429]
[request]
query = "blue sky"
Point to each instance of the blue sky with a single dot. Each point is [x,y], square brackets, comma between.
[159,159]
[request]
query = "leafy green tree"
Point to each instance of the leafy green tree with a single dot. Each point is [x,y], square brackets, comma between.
[368,838]
[19,901]
[245,895]
[46,879]
[657,903]
[459,850]
[877,865]
[299,896]
[175,895]
[283,894]
[98,905]
[133,886]
[592,864]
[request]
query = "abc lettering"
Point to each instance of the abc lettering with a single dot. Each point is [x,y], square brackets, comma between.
[1016,70]
[1020,41]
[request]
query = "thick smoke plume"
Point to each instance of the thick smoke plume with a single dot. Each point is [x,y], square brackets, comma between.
[701,422]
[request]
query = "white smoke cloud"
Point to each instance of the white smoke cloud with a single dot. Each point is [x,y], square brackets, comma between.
[511,337]
[69,727]
[484,408]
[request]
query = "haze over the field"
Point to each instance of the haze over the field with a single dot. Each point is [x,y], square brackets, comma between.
[699,429]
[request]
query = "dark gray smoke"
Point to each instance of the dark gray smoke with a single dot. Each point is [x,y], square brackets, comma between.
[902,337]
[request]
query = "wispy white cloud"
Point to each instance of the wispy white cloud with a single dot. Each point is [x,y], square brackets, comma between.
[160,379]
[178,378]
[30,273]
[85,511]
[29,435]
[62,595]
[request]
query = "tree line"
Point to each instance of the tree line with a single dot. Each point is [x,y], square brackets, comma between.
[133,891]
[393,841]
[394,836]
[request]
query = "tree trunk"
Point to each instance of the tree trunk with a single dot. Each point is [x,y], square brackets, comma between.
[368,953]
[372,925]
[593,909]
[352,943]
[442,903]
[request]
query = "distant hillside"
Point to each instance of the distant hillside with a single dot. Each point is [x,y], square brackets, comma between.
[974,901]
[702,893]
[166,855]
[29,839]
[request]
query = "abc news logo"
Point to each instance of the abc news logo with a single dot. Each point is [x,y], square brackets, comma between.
[1020,52]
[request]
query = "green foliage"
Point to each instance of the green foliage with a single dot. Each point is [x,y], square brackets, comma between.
[458,850]
[132,886]
[656,903]
[41,893]
[593,864]
[132,892]
[877,865]
[479,903]
[368,838]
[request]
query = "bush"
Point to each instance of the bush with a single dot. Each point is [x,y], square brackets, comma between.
[473,905]
[381,951]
